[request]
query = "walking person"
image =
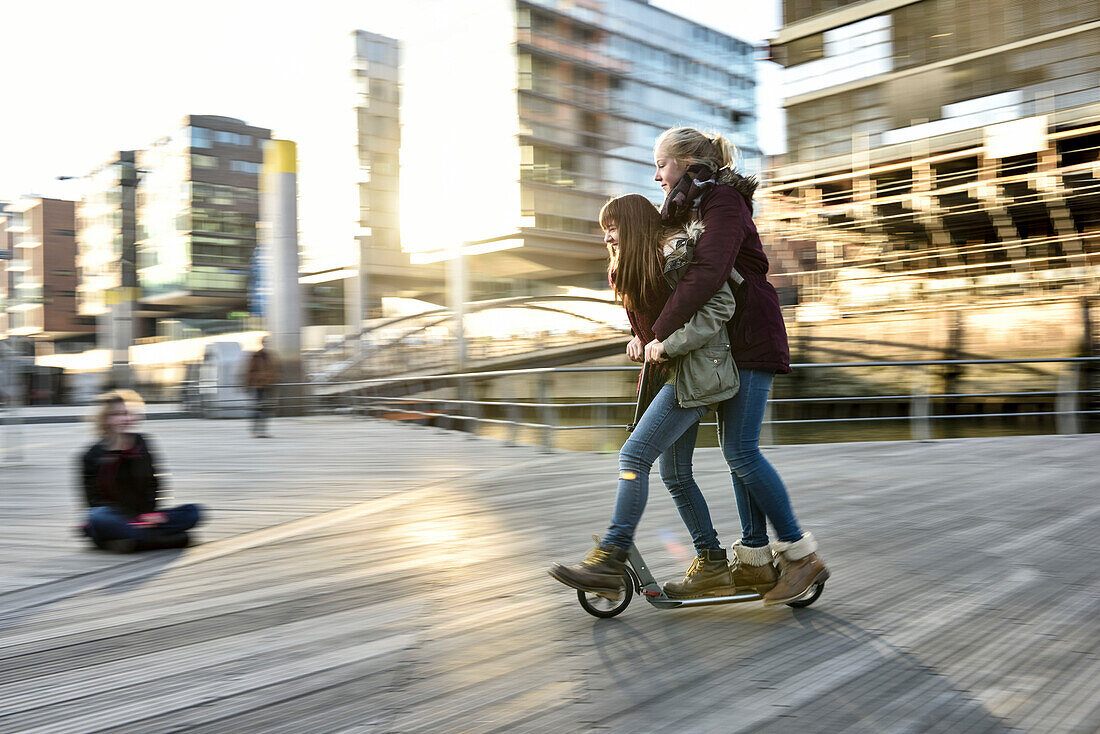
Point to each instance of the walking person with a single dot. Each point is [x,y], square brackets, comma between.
[120,483]
[261,377]
[704,191]
[645,264]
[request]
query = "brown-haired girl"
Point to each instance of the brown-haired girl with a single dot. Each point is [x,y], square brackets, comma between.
[646,261]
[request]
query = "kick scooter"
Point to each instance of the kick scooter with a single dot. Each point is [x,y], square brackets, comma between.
[637,577]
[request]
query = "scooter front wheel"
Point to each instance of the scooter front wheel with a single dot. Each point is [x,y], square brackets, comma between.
[607,605]
[809,598]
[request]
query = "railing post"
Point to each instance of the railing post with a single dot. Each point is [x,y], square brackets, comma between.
[546,413]
[514,416]
[603,418]
[767,430]
[1067,403]
[920,406]
[512,411]
[473,410]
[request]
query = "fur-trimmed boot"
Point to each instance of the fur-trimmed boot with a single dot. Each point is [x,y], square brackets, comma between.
[601,570]
[709,575]
[753,568]
[799,568]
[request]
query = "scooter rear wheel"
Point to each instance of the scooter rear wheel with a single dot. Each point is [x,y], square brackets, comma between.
[602,606]
[809,599]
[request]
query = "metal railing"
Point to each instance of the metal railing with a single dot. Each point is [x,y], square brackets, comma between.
[1075,398]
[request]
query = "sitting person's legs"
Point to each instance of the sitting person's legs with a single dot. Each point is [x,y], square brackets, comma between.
[109,528]
[181,518]
[106,523]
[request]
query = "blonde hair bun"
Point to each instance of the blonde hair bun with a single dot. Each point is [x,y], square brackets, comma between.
[690,146]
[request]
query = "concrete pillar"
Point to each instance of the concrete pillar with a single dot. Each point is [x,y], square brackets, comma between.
[279,235]
[116,329]
[923,201]
[457,296]
[988,192]
[122,302]
[1048,181]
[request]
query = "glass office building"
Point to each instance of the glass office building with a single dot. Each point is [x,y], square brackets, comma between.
[105,233]
[384,267]
[197,205]
[883,73]
[940,155]
[520,119]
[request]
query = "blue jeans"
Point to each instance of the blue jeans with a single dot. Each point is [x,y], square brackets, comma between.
[668,431]
[760,493]
[107,523]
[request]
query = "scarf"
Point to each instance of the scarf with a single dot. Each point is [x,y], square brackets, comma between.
[697,180]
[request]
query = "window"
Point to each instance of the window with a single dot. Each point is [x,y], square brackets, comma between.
[204,161]
[227,138]
[200,137]
[244,167]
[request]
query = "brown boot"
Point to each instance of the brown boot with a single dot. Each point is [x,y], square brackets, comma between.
[753,568]
[708,575]
[601,570]
[799,568]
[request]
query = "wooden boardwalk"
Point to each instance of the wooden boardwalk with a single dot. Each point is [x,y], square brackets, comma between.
[358,576]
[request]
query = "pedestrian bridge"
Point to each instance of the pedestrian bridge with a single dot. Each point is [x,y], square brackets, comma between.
[362,575]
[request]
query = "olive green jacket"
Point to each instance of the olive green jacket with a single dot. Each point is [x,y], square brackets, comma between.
[703,369]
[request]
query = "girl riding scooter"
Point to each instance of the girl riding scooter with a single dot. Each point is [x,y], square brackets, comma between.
[646,262]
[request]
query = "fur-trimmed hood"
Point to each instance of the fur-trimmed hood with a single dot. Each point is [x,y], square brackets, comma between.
[744,185]
[683,240]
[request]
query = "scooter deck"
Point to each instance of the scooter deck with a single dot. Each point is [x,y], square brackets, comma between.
[652,592]
[664,602]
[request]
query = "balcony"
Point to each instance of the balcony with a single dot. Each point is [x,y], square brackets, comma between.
[586,96]
[567,49]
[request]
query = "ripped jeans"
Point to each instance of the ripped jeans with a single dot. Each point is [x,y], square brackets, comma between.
[667,431]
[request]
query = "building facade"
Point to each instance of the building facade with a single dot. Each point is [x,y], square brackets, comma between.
[41,302]
[940,154]
[5,259]
[877,73]
[540,112]
[384,267]
[106,238]
[197,208]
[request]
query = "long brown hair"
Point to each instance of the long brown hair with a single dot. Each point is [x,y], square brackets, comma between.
[635,270]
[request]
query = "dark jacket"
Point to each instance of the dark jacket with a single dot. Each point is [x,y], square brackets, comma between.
[263,369]
[758,338]
[124,480]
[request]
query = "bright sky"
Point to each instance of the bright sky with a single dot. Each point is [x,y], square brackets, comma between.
[82,79]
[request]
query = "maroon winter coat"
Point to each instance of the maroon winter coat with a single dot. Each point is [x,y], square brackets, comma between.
[758,338]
